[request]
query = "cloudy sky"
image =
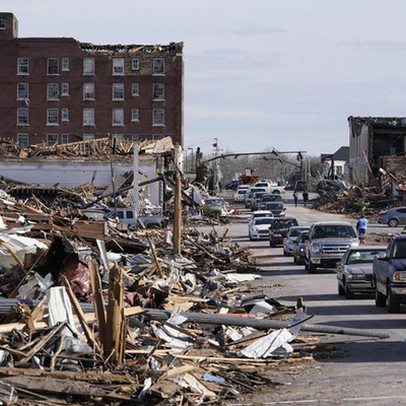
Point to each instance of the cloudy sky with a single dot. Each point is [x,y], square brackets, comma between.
[259,73]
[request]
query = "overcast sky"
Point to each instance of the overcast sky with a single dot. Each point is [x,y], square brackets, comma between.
[259,73]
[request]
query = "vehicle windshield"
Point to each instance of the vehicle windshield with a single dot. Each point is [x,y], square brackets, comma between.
[272,198]
[285,223]
[258,195]
[262,215]
[294,232]
[263,221]
[399,249]
[242,192]
[333,231]
[362,256]
[215,202]
[303,237]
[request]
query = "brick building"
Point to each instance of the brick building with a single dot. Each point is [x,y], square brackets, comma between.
[60,90]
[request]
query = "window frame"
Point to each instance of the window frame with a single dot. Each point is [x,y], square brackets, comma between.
[157,137]
[114,66]
[154,70]
[19,110]
[52,135]
[118,136]
[93,70]
[93,92]
[135,86]
[137,119]
[137,64]
[65,64]
[163,92]
[48,66]
[154,122]
[135,137]
[19,141]
[65,138]
[64,86]
[113,97]
[27,91]
[64,110]
[52,110]
[20,66]
[49,85]
[117,124]
[90,124]
[2,23]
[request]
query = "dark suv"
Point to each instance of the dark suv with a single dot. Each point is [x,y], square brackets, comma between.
[279,229]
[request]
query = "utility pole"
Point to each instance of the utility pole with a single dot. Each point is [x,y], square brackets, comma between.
[216,166]
[136,197]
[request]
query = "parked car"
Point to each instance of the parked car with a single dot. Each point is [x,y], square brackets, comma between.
[259,228]
[268,197]
[290,239]
[328,242]
[239,195]
[276,208]
[279,229]
[299,252]
[301,186]
[393,217]
[389,270]
[253,192]
[354,271]
[260,213]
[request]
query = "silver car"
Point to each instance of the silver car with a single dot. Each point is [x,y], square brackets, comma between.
[393,217]
[354,271]
[290,239]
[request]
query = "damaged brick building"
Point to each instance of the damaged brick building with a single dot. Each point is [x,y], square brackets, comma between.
[372,141]
[60,90]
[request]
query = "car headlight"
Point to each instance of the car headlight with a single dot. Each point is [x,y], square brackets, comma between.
[301,249]
[399,276]
[316,248]
[255,229]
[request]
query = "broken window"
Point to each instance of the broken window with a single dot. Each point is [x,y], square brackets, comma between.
[22,139]
[52,91]
[118,117]
[135,89]
[65,63]
[23,66]
[118,91]
[65,89]
[52,66]
[158,91]
[52,139]
[52,117]
[88,91]
[158,117]
[65,114]
[88,116]
[22,116]
[22,91]
[158,66]
[134,115]
[135,64]
[65,139]
[118,66]
[88,66]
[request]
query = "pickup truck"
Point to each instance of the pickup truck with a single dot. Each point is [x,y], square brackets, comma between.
[327,243]
[389,273]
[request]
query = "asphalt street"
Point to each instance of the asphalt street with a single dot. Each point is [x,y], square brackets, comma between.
[357,370]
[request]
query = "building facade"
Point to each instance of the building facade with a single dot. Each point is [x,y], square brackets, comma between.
[60,90]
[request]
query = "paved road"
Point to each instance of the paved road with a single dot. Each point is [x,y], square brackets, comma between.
[366,371]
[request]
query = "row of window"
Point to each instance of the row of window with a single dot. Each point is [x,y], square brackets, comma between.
[89,92]
[53,139]
[158,116]
[89,66]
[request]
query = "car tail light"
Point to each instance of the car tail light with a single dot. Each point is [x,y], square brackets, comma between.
[382,213]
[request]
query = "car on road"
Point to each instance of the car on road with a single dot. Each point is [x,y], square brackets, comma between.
[239,195]
[290,239]
[299,247]
[259,213]
[249,195]
[255,200]
[276,208]
[259,228]
[268,197]
[279,229]
[393,217]
[301,186]
[389,273]
[328,242]
[354,271]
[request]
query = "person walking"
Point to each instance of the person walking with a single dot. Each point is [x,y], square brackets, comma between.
[295,198]
[305,198]
[362,226]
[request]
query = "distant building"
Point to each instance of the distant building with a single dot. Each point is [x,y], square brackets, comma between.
[60,90]
[340,159]
[371,139]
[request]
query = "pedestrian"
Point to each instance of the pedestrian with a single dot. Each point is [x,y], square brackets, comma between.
[362,226]
[295,198]
[305,198]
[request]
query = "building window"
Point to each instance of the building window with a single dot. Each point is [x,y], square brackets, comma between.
[158,66]
[22,91]
[158,91]
[52,117]
[52,66]
[118,117]
[88,137]
[22,116]
[65,114]
[88,66]
[118,91]
[118,137]
[118,66]
[65,89]
[52,139]
[2,24]
[135,64]
[23,66]
[65,139]
[157,137]
[134,115]
[65,64]
[88,91]
[52,91]
[22,139]
[135,137]
[158,117]
[135,89]
[88,116]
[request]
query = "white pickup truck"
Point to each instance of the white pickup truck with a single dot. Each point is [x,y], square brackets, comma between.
[271,187]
